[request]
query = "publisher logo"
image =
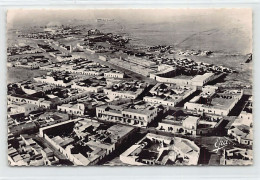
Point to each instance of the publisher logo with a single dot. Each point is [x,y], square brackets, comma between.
[221,143]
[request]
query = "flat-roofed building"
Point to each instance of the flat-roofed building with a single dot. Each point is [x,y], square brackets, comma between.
[76,109]
[125,90]
[90,141]
[238,156]
[17,98]
[30,153]
[29,65]
[114,74]
[220,103]
[81,67]
[185,125]
[164,70]
[156,149]
[169,94]
[90,85]
[65,81]
[201,80]
[140,61]
[103,58]
[247,112]
[131,66]
[136,115]
[23,108]
[243,134]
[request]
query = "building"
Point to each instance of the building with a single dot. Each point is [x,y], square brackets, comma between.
[211,102]
[114,74]
[33,87]
[161,150]
[190,124]
[86,142]
[30,153]
[62,81]
[76,109]
[169,94]
[164,70]
[139,69]
[23,108]
[131,114]
[125,89]
[241,129]
[29,65]
[247,112]
[140,61]
[40,102]
[170,74]
[243,134]
[89,85]
[77,66]
[238,156]
[187,125]
[201,80]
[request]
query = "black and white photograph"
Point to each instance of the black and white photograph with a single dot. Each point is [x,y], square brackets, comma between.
[129,87]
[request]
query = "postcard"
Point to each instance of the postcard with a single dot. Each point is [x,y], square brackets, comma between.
[129,87]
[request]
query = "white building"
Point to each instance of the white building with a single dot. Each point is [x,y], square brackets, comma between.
[24,108]
[169,95]
[120,94]
[190,124]
[238,156]
[95,89]
[247,114]
[198,80]
[201,80]
[219,103]
[186,126]
[115,74]
[242,134]
[141,116]
[40,102]
[29,65]
[51,80]
[168,152]
[36,87]
[76,109]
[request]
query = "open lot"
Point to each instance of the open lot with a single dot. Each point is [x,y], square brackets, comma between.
[15,74]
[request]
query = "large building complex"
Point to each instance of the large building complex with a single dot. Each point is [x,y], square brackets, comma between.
[171,74]
[84,141]
[161,150]
[169,94]
[210,101]
[125,89]
[132,66]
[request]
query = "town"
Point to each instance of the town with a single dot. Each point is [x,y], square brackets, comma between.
[85,97]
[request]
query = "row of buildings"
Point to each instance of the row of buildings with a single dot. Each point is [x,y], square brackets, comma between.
[97,140]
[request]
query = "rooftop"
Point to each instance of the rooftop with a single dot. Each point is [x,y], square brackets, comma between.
[162,150]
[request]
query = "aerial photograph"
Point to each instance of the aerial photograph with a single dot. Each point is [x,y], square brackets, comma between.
[129,87]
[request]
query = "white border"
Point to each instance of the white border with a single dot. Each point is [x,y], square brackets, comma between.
[250,172]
